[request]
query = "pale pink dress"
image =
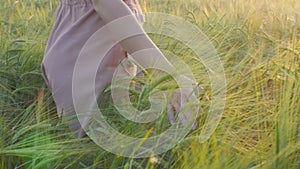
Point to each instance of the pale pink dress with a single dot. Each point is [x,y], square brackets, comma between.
[75,22]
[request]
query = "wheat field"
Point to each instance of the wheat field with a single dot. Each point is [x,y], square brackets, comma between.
[258,43]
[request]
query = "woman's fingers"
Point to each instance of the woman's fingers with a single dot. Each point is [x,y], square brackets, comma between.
[185,114]
[171,114]
[192,103]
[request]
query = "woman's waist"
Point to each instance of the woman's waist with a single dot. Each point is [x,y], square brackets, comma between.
[130,3]
[75,2]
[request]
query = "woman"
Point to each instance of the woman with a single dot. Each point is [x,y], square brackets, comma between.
[76,21]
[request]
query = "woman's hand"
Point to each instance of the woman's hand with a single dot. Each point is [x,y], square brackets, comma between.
[189,95]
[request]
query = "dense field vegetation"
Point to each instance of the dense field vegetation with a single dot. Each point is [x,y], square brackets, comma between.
[258,43]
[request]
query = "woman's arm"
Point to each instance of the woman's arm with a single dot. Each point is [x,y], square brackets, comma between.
[110,10]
